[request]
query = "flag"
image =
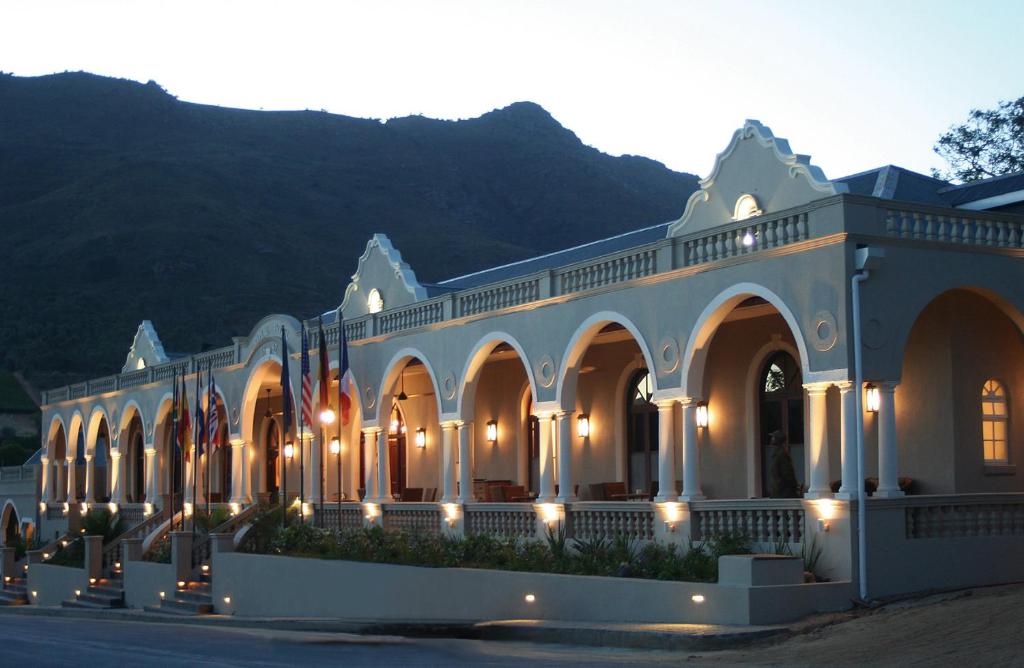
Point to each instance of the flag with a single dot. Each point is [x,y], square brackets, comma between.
[184,423]
[344,374]
[286,387]
[307,381]
[200,418]
[325,371]
[174,413]
[212,414]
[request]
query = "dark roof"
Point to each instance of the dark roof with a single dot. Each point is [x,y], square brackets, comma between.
[560,258]
[897,183]
[978,190]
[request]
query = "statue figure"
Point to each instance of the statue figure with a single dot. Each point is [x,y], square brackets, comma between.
[783,474]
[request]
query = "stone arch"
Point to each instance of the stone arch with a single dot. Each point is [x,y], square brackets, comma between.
[752,402]
[695,355]
[128,412]
[10,511]
[474,365]
[57,427]
[568,374]
[393,370]
[97,416]
[266,367]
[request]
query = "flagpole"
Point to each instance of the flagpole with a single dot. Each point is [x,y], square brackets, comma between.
[195,457]
[302,428]
[209,437]
[174,443]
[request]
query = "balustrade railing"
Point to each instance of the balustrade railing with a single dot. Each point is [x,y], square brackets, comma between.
[587,520]
[737,240]
[964,516]
[413,517]
[409,317]
[609,270]
[201,547]
[496,297]
[764,522]
[113,551]
[511,520]
[965,229]
[17,473]
[350,516]
[134,378]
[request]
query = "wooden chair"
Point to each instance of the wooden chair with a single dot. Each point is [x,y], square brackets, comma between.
[516,493]
[613,490]
[597,491]
[412,494]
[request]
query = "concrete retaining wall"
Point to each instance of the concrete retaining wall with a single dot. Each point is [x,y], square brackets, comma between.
[49,584]
[260,585]
[143,582]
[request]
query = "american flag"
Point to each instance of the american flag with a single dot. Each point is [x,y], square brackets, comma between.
[307,382]
[212,414]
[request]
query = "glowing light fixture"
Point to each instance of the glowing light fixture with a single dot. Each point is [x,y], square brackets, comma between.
[702,415]
[374,301]
[112,507]
[42,506]
[327,416]
[747,239]
[227,600]
[697,598]
[492,432]
[162,594]
[289,450]
[583,425]
[393,428]
[421,437]
[335,446]
[78,592]
[873,398]
[529,598]
[181,584]
[206,568]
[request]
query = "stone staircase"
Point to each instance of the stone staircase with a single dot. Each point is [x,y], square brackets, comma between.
[195,598]
[13,592]
[105,593]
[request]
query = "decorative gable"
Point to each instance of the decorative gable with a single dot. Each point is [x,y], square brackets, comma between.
[756,174]
[146,349]
[382,280]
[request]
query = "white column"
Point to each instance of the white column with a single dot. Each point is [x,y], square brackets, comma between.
[848,445]
[448,462]
[370,463]
[819,486]
[187,478]
[46,483]
[888,466]
[90,479]
[238,494]
[116,468]
[546,460]
[62,481]
[466,463]
[666,451]
[316,454]
[691,453]
[151,474]
[72,488]
[383,468]
[566,489]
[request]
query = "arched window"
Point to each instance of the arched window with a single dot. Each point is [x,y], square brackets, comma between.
[641,433]
[994,418]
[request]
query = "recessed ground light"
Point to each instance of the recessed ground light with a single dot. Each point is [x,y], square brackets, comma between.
[697,598]
[162,594]
[227,600]
[529,598]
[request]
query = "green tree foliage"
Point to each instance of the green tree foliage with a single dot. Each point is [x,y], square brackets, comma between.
[990,143]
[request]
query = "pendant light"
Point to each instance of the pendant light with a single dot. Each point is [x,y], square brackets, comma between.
[402,396]
[268,414]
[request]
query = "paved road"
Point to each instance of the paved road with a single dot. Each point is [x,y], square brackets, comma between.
[50,641]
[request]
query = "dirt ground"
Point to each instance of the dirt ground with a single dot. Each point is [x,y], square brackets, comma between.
[979,627]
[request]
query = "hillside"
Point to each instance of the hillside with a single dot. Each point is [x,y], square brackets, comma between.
[118,203]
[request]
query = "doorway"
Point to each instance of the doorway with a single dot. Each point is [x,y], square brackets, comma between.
[781,401]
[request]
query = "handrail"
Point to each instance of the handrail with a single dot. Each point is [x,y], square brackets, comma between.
[112,550]
[201,548]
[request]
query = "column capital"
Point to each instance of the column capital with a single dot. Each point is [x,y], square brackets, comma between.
[115,455]
[887,386]
[88,458]
[845,385]
[671,395]
[44,459]
[451,424]
[562,415]
[238,443]
[372,430]
[819,387]
[665,404]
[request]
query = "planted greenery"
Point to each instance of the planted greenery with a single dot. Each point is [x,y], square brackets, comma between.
[618,556]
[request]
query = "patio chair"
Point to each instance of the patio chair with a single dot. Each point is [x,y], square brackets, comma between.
[412,494]
[615,489]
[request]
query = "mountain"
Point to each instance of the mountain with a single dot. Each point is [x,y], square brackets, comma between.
[119,202]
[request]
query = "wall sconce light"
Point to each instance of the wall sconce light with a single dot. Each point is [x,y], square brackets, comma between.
[335,446]
[92,581]
[235,509]
[327,416]
[85,508]
[702,415]
[529,598]
[289,450]
[492,432]
[227,600]
[66,508]
[874,399]
[162,594]
[394,426]
[451,512]
[583,425]
[42,506]
[549,513]
[421,437]
[147,509]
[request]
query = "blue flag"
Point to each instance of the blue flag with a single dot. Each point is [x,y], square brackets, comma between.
[286,386]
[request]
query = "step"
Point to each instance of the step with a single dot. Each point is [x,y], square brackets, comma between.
[191,595]
[201,587]
[15,588]
[80,603]
[13,598]
[179,606]
[101,600]
[106,590]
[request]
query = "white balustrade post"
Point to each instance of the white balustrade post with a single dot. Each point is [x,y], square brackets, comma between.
[691,453]
[151,473]
[370,463]
[546,460]
[566,489]
[46,481]
[817,441]
[466,463]
[848,419]
[383,468]
[72,494]
[888,465]
[90,479]
[666,451]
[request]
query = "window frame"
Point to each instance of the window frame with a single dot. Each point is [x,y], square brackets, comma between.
[1001,395]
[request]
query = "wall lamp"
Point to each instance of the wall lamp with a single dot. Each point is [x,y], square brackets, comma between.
[492,432]
[583,425]
[335,446]
[873,398]
[702,415]
[421,437]
[289,450]
[327,416]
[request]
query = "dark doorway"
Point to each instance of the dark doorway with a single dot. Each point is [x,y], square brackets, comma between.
[641,434]
[781,393]
[532,450]
[396,451]
[273,454]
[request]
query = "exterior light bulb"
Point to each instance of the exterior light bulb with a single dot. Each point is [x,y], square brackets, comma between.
[492,432]
[583,426]
[748,239]
[289,449]
[873,398]
[335,446]
[327,416]
[702,415]
[421,438]
[394,426]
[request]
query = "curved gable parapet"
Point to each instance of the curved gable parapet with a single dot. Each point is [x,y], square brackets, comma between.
[381,268]
[758,165]
[266,337]
[146,350]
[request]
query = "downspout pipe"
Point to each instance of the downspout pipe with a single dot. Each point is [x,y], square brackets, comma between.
[867,258]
